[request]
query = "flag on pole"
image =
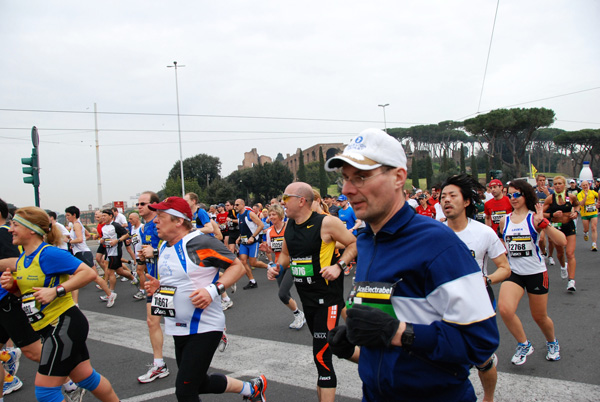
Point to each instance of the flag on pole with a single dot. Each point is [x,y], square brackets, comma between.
[533,171]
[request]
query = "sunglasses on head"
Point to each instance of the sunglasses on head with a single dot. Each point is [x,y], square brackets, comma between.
[516,194]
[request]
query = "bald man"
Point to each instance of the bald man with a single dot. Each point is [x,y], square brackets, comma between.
[309,250]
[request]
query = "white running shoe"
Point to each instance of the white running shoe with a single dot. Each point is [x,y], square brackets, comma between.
[74,396]
[564,273]
[299,321]
[571,285]
[111,300]
[550,261]
[11,384]
[553,351]
[12,365]
[523,350]
[153,373]
[123,279]
[223,343]
[226,305]
[140,295]
[104,298]
[233,287]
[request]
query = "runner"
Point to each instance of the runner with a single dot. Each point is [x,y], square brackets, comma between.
[43,282]
[250,227]
[588,199]
[542,191]
[150,245]
[285,279]
[424,208]
[562,210]
[496,208]
[520,235]
[309,251]
[188,296]
[459,200]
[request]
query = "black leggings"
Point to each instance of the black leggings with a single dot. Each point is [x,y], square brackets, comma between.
[194,354]
[285,282]
[320,321]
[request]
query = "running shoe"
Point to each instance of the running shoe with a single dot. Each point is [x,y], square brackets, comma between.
[299,321]
[564,273]
[12,364]
[523,350]
[225,305]
[259,386]
[233,287]
[553,351]
[104,298]
[135,280]
[585,236]
[153,373]
[250,285]
[11,384]
[223,343]
[571,285]
[111,300]
[75,395]
[140,295]
[123,279]
[594,248]
[98,287]
[550,261]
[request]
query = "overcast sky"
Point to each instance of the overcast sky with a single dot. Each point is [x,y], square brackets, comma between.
[271,75]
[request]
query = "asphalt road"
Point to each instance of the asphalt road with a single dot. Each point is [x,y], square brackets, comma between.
[261,342]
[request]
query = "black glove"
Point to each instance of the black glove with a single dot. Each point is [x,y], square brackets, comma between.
[368,326]
[339,344]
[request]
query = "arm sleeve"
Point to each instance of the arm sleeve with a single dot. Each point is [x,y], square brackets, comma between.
[468,332]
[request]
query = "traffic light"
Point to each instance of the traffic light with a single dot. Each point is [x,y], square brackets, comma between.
[31,169]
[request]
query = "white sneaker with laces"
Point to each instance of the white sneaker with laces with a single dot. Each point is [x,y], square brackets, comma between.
[571,285]
[550,261]
[153,373]
[225,305]
[123,279]
[111,300]
[299,321]
[523,350]
[553,351]
[564,273]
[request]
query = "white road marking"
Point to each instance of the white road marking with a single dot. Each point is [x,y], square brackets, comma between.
[293,365]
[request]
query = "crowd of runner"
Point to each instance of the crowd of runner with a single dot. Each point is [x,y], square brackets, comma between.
[184,257]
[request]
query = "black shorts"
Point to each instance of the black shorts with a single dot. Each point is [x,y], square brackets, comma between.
[101,249]
[568,228]
[536,284]
[14,323]
[85,257]
[233,236]
[63,345]
[114,262]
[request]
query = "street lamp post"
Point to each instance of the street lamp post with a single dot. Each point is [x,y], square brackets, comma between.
[179,129]
[384,122]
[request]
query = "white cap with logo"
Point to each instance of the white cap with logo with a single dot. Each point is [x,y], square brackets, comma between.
[371,149]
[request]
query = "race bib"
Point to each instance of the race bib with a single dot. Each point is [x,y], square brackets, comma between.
[590,208]
[373,294]
[497,216]
[520,246]
[302,267]
[29,306]
[163,301]
[277,244]
[244,239]
[480,217]
[135,240]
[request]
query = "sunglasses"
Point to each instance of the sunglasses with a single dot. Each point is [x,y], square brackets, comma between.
[141,204]
[286,197]
[515,195]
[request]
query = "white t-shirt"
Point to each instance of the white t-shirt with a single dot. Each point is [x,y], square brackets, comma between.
[488,196]
[439,212]
[136,239]
[413,203]
[64,232]
[482,241]
[121,220]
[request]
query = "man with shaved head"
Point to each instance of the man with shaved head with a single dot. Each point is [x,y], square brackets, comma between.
[309,250]
[250,228]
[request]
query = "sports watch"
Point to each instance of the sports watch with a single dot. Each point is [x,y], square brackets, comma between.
[408,336]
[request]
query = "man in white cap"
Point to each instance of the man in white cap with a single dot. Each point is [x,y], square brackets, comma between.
[419,311]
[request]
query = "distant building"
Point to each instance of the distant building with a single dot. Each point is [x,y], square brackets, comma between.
[252,158]
[311,155]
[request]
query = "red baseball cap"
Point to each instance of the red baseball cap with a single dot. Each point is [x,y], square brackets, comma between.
[175,206]
[495,182]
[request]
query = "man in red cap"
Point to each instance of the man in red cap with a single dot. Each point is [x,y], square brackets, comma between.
[497,207]
[188,295]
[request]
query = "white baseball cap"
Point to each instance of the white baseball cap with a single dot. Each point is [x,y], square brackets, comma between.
[370,149]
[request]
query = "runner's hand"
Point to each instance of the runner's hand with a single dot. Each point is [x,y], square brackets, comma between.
[331,272]
[7,279]
[151,285]
[273,272]
[339,343]
[539,214]
[371,327]
[201,298]
[44,295]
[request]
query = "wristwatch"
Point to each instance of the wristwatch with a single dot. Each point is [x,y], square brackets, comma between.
[408,336]
[60,291]
[342,264]
[220,288]
[488,281]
